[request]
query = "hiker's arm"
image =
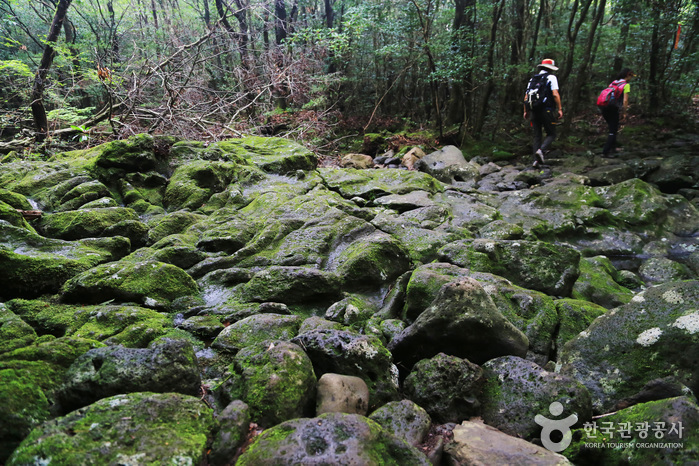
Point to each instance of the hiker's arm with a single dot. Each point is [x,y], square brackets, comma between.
[557,99]
[625,105]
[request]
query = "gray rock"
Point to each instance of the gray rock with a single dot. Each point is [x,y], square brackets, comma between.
[448,165]
[477,443]
[405,420]
[167,366]
[462,321]
[653,336]
[233,426]
[661,269]
[447,387]
[517,390]
[342,394]
[332,438]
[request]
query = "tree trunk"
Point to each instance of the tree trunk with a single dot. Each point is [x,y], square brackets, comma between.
[38,110]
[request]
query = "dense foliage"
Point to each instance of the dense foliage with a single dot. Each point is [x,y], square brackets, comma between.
[310,69]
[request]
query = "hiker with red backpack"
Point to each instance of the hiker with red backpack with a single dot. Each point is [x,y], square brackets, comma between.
[613,103]
[542,104]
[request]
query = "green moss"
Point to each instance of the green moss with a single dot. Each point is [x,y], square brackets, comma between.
[144,427]
[24,406]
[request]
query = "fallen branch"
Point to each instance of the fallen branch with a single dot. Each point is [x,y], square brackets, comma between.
[30,214]
[16,145]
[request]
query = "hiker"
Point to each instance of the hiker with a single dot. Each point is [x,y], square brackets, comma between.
[542,104]
[613,103]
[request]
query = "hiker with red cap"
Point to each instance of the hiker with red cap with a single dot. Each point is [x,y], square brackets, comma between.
[542,104]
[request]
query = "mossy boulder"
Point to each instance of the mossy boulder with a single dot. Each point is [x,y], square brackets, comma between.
[656,335]
[462,321]
[574,316]
[661,443]
[348,353]
[599,283]
[536,265]
[84,223]
[14,200]
[151,283]
[370,260]
[420,235]
[332,438]
[371,184]
[255,329]
[141,428]
[33,265]
[447,387]
[274,378]
[404,419]
[233,425]
[516,390]
[24,405]
[12,216]
[14,332]
[193,183]
[166,366]
[425,282]
[129,326]
[291,285]
[171,224]
[80,195]
[272,155]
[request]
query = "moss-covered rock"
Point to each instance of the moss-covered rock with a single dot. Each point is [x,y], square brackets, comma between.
[536,265]
[141,428]
[80,195]
[275,379]
[447,387]
[332,438]
[14,332]
[653,336]
[166,366]
[129,326]
[291,285]
[151,283]
[348,353]
[598,283]
[193,183]
[84,223]
[404,419]
[255,329]
[171,224]
[370,184]
[24,405]
[33,265]
[14,200]
[516,390]
[373,259]
[12,216]
[574,316]
[462,321]
[661,442]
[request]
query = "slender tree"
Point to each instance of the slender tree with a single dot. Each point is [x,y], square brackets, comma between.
[38,109]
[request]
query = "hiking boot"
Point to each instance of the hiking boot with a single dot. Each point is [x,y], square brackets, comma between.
[539,155]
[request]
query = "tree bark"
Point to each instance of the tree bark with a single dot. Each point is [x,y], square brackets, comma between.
[38,109]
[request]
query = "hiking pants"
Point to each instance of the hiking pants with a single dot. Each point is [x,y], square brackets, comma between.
[543,121]
[611,115]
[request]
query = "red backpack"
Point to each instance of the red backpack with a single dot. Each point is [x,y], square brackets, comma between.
[611,96]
